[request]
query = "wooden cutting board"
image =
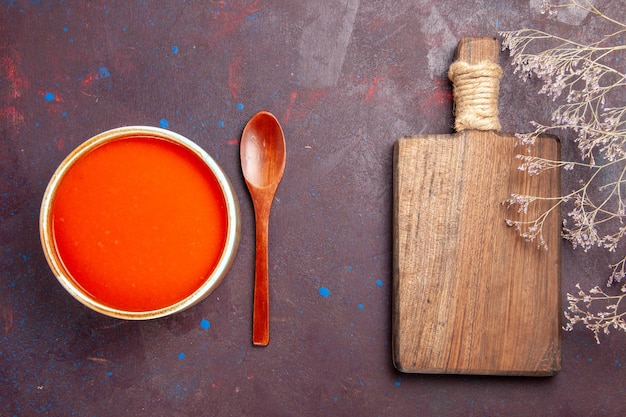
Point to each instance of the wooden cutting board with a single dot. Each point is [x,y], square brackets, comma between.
[469,295]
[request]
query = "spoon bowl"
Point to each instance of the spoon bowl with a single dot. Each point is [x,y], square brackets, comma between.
[263,155]
[263,151]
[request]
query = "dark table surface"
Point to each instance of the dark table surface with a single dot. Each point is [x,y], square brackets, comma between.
[346,78]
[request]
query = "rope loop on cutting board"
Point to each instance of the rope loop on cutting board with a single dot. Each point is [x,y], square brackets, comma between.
[476,88]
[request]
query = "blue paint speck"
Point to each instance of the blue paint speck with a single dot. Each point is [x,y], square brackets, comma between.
[349,267]
[360,306]
[252,16]
[174,49]
[164,123]
[324,292]
[205,324]
[239,106]
[397,383]
[109,373]
[103,72]
[64,29]
[181,355]
[379,282]
[221,123]
[49,96]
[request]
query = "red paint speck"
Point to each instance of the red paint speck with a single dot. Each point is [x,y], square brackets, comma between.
[234,76]
[443,91]
[11,116]
[7,317]
[89,78]
[441,94]
[16,83]
[298,105]
[373,87]
[229,17]
[290,104]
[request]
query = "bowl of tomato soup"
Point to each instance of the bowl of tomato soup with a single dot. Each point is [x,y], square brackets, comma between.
[139,222]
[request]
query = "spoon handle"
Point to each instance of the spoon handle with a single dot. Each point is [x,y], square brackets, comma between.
[261,314]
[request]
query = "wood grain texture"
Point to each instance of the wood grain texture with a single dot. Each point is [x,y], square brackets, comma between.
[263,157]
[469,295]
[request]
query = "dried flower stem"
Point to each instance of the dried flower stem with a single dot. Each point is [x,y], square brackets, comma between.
[583,308]
[590,92]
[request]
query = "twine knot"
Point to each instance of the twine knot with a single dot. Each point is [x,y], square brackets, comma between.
[476,88]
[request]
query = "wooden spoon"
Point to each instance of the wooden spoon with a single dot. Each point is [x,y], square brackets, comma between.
[263,156]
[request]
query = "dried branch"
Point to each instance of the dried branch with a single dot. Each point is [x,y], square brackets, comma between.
[590,90]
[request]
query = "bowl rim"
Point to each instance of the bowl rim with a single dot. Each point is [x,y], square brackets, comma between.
[211,282]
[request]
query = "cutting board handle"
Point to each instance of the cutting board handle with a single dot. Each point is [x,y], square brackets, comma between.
[475,76]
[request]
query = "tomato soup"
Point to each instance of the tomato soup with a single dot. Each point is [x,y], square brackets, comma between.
[139,223]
